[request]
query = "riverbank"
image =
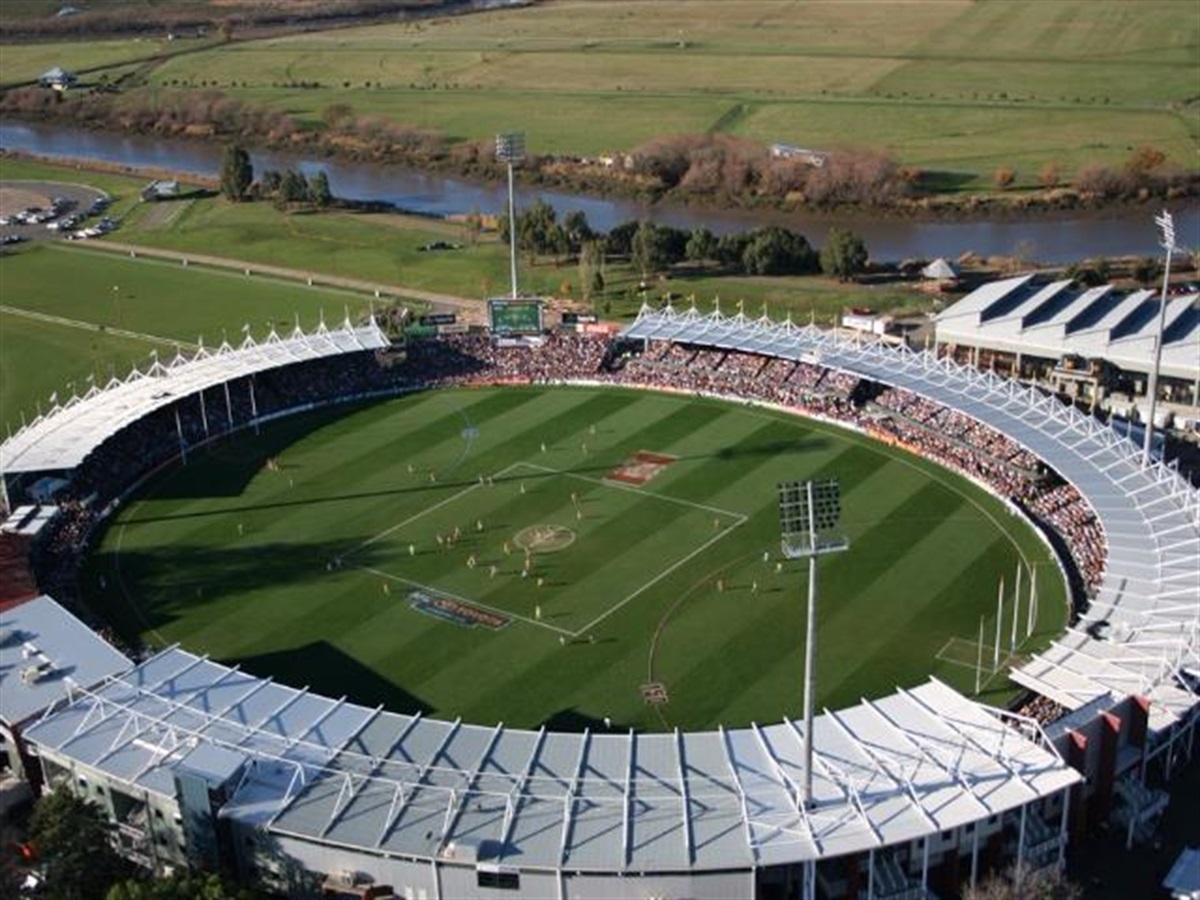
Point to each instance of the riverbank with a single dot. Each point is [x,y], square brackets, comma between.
[717,172]
[1051,239]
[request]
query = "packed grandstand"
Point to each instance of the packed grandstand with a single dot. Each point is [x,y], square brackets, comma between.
[1127,538]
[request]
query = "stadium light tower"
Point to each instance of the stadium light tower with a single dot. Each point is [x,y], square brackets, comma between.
[1166,230]
[809,516]
[511,149]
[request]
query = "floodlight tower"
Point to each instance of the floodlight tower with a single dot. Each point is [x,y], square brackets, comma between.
[511,149]
[1166,230]
[809,514]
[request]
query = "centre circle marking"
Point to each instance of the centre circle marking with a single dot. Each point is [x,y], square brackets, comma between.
[545,538]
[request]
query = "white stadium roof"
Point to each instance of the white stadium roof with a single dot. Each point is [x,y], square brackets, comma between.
[1147,611]
[63,437]
[885,771]
[1022,315]
[44,651]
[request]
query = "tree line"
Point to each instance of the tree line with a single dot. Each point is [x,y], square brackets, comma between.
[290,187]
[651,248]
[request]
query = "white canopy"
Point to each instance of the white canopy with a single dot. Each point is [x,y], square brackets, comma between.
[62,438]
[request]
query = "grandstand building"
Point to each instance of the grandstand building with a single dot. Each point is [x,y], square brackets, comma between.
[915,793]
[1086,343]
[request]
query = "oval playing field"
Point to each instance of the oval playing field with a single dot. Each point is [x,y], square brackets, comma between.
[564,556]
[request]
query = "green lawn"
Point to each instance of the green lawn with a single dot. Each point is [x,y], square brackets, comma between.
[158,300]
[312,571]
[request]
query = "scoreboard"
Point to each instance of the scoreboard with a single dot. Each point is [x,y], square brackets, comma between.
[515,317]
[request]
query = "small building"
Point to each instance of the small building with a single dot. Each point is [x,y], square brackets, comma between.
[57,79]
[160,190]
[862,318]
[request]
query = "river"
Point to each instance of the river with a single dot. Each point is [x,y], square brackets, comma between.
[1048,240]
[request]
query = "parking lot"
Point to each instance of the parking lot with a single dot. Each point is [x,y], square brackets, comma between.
[33,210]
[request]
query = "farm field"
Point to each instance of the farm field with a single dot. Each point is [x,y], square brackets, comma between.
[380,556]
[1022,83]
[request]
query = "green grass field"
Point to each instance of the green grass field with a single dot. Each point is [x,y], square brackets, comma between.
[157,303]
[313,570]
[954,86]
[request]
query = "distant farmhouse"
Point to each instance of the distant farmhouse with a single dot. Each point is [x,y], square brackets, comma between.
[57,79]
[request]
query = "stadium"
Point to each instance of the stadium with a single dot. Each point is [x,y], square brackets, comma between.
[915,790]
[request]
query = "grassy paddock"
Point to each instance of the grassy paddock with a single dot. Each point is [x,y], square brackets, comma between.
[25,62]
[1020,82]
[307,571]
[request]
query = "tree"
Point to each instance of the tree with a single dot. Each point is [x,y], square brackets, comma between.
[648,251]
[293,188]
[268,185]
[591,269]
[1042,884]
[701,245]
[1050,175]
[337,112]
[731,248]
[236,173]
[71,840]
[318,190]
[180,886]
[577,230]
[1146,270]
[619,241]
[537,229]
[473,225]
[1004,177]
[777,251]
[1145,160]
[844,254]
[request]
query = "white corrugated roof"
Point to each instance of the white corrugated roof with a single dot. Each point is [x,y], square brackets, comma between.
[1018,315]
[885,772]
[41,633]
[62,438]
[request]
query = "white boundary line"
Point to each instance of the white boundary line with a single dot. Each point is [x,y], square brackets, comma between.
[661,575]
[740,519]
[48,319]
[604,482]
[424,512]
